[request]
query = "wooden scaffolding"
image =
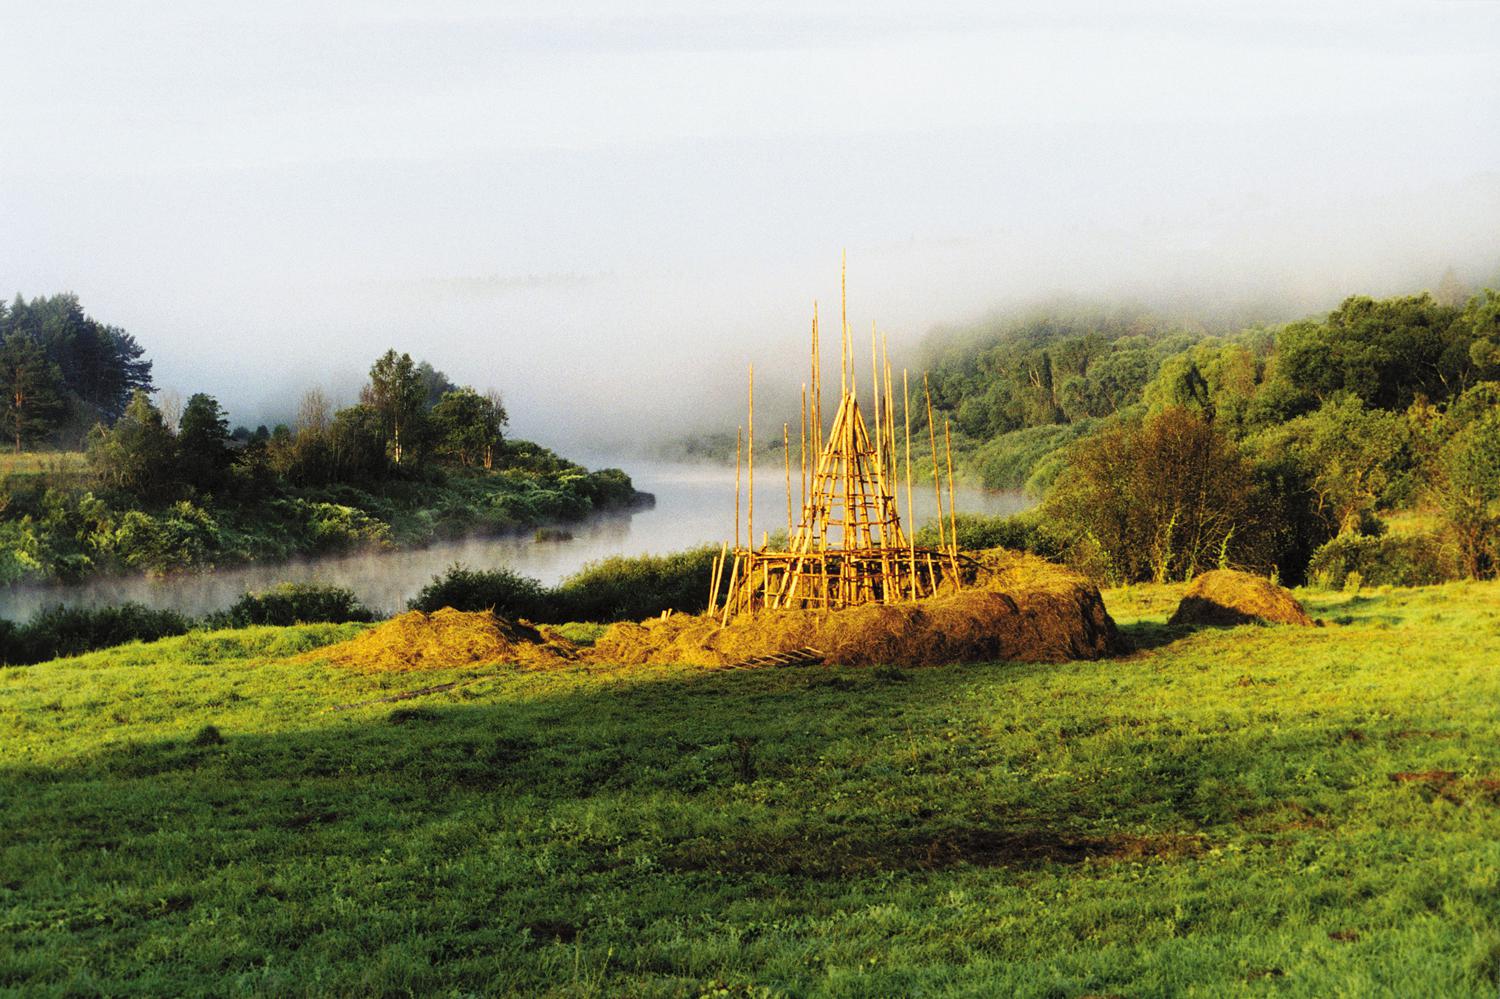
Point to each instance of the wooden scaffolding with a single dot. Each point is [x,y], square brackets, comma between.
[846,546]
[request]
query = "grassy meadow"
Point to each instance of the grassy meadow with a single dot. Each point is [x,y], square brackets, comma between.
[1252,811]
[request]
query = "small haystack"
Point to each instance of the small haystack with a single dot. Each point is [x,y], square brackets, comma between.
[1019,608]
[1225,597]
[446,639]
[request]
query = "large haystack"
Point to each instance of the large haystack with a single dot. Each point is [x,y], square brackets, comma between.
[1019,608]
[1225,597]
[446,639]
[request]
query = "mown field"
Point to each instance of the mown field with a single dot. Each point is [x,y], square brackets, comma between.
[1256,811]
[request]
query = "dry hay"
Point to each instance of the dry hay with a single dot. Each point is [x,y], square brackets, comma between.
[446,639]
[1018,608]
[1227,597]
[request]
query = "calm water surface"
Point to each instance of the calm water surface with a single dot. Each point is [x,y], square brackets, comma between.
[694,505]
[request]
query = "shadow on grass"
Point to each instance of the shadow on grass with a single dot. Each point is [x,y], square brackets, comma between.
[695,742]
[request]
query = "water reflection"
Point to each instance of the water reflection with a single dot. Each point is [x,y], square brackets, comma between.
[694,505]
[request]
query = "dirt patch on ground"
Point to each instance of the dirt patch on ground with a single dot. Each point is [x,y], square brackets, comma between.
[1017,607]
[1226,597]
[447,639]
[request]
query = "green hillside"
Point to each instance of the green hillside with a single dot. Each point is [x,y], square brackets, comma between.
[1257,811]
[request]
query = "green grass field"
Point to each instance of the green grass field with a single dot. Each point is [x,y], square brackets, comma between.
[1256,811]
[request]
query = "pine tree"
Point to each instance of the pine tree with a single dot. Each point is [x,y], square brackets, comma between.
[32,385]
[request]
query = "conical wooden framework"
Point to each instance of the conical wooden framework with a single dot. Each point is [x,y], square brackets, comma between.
[847,547]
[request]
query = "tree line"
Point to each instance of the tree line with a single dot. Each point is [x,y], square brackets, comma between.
[61,371]
[1161,451]
[410,415]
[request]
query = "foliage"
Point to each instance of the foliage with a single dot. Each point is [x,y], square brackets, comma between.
[1385,352]
[182,537]
[294,603]
[1349,455]
[466,427]
[138,454]
[98,367]
[203,449]
[631,589]
[1163,499]
[1224,812]
[31,387]
[1468,487]
[69,631]
[399,394]
[500,590]
[1386,560]
[1027,532]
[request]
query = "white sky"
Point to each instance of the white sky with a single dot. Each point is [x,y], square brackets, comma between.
[606,210]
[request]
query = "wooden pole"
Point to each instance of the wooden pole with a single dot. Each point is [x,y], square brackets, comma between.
[875,395]
[817,389]
[786,455]
[844,380]
[750,454]
[739,447]
[802,452]
[911,522]
[937,480]
[952,502]
[713,599]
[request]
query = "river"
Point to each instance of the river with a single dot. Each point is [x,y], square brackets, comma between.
[694,506]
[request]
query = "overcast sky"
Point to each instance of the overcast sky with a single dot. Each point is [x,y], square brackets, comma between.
[606,210]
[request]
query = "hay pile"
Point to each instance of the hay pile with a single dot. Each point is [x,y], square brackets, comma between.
[1227,597]
[1019,608]
[446,639]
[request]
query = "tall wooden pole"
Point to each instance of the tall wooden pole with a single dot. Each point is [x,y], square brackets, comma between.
[843,325]
[739,447]
[786,455]
[750,469]
[952,502]
[878,423]
[817,389]
[802,450]
[937,480]
[911,523]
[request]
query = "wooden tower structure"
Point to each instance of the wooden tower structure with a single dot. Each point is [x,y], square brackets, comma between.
[846,546]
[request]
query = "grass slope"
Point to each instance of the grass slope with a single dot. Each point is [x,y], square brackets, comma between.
[1254,811]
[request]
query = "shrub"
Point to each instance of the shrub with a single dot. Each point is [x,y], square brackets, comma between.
[629,589]
[506,593]
[183,536]
[71,631]
[294,603]
[1163,499]
[1468,487]
[332,527]
[1018,532]
[1387,560]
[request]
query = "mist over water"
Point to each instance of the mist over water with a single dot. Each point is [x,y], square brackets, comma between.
[694,506]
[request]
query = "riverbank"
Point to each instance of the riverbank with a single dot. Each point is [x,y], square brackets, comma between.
[58,531]
[693,505]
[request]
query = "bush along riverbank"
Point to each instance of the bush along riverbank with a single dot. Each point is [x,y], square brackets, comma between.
[67,531]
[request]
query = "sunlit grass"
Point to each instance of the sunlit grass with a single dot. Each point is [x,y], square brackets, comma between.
[1255,810]
[43,462]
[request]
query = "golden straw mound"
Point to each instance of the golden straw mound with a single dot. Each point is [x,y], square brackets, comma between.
[1227,597]
[1018,608]
[446,639]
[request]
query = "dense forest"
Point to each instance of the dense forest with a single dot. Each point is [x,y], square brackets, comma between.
[1157,449]
[159,488]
